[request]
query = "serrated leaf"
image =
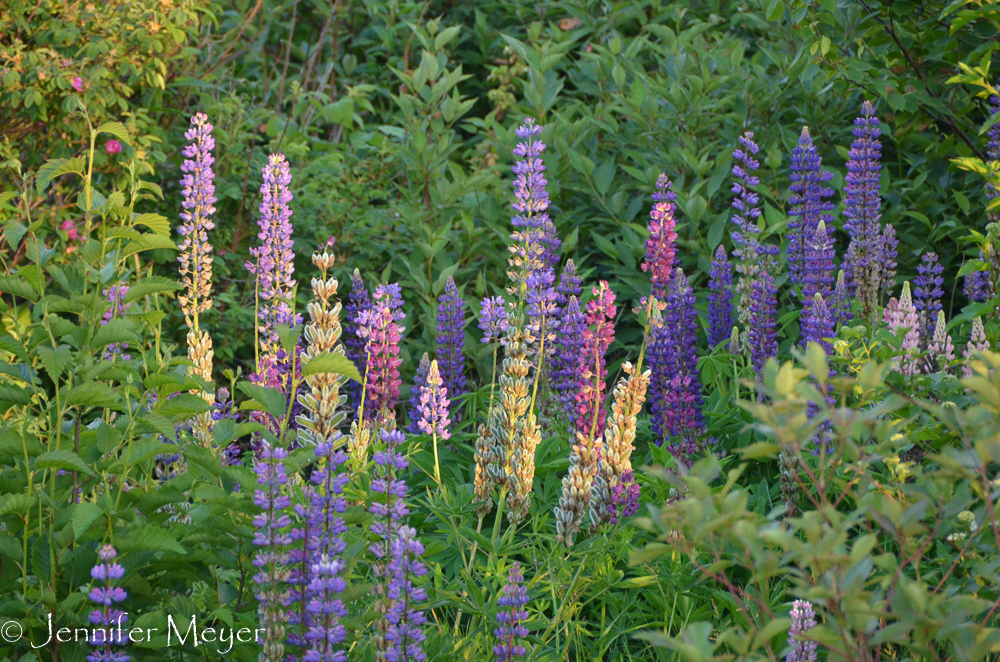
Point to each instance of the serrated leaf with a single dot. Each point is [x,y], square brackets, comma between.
[151,285]
[117,129]
[271,399]
[63,459]
[331,363]
[84,516]
[13,396]
[155,222]
[54,360]
[149,539]
[115,331]
[14,231]
[56,167]
[18,287]
[147,242]
[18,504]
[97,394]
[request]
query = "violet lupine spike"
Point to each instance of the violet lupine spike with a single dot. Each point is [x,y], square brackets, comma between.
[927,293]
[272,539]
[274,266]
[108,624]
[532,243]
[761,320]
[198,202]
[720,299]
[818,324]
[840,301]
[565,366]
[803,620]
[993,154]
[451,343]
[597,338]
[419,382]
[432,409]
[543,313]
[115,296]
[382,336]
[900,316]
[358,302]
[405,636]
[493,319]
[326,632]
[624,498]
[977,286]
[511,617]
[977,343]
[817,270]
[808,208]
[569,285]
[660,244]
[863,212]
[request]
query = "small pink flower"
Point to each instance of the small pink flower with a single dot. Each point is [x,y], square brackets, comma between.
[262,128]
[66,62]
[77,83]
[113,147]
[70,229]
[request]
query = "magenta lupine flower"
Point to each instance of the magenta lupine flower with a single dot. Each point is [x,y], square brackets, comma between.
[493,319]
[660,245]
[274,267]
[927,292]
[803,620]
[511,617]
[720,299]
[977,343]
[419,382]
[273,538]
[565,365]
[115,296]
[746,238]
[624,498]
[77,84]
[382,335]
[109,624]
[901,316]
[358,302]
[198,203]
[112,146]
[533,236]
[405,634]
[818,324]
[863,211]
[597,337]
[451,343]
[761,325]
[808,209]
[433,407]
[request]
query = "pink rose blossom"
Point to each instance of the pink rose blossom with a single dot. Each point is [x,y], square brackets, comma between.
[78,84]
[113,147]
[70,229]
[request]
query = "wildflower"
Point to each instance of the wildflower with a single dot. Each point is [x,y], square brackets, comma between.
[115,296]
[840,301]
[358,302]
[69,227]
[543,314]
[597,338]
[108,622]
[534,240]
[451,343]
[817,268]
[569,285]
[927,292]
[433,410]
[940,349]
[78,86]
[888,243]
[274,267]
[112,146]
[382,335]
[273,539]
[404,634]
[809,210]
[720,299]
[803,620]
[977,343]
[511,617]
[419,382]
[660,245]
[761,335]
[326,610]
[818,324]
[993,154]
[977,284]
[901,316]
[493,319]
[564,369]
[624,498]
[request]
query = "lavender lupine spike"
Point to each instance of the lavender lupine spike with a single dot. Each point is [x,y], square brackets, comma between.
[901,316]
[358,302]
[840,301]
[419,382]
[531,245]
[927,293]
[993,154]
[977,343]
[720,299]
[803,620]
[108,623]
[405,636]
[274,266]
[433,405]
[808,209]
[569,285]
[273,539]
[195,256]
[382,336]
[624,498]
[451,343]
[761,320]
[862,213]
[493,319]
[565,365]
[543,313]
[818,324]
[326,632]
[511,617]
[115,296]
[817,267]
[660,244]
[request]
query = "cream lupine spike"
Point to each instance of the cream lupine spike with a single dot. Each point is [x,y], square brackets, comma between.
[196,255]
[977,343]
[616,458]
[322,399]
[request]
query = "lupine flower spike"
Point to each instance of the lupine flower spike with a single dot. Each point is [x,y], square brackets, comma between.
[108,623]
[532,244]
[419,382]
[272,539]
[511,617]
[451,343]
[720,299]
[927,293]
[405,636]
[382,334]
[493,322]
[817,268]
[803,620]
[761,328]
[433,412]
[660,245]
[941,350]
[115,296]
[358,302]
[977,343]
[565,369]
[901,316]
[808,211]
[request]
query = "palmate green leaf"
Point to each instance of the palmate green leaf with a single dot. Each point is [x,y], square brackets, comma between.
[84,516]
[272,400]
[54,360]
[63,459]
[331,363]
[150,539]
[57,167]
[151,285]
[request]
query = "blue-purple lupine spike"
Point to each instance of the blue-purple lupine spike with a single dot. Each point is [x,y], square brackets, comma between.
[762,338]
[808,207]
[533,237]
[840,301]
[405,636]
[564,366]
[115,296]
[108,623]
[720,299]
[543,312]
[977,284]
[357,303]
[927,293]
[419,382]
[272,539]
[493,319]
[451,344]
[511,617]
[818,324]
[817,269]
[570,284]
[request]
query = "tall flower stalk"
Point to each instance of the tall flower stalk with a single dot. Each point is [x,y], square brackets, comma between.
[272,539]
[511,617]
[808,211]
[803,620]
[358,302]
[382,333]
[433,412]
[451,343]
[901,317]
[108,622]
[720,299]
[927,293]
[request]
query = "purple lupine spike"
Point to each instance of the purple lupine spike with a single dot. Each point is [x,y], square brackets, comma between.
[326,610]
[358,302]
[808,209]
[511,617]
[108,623]
[624,498]
[675,399]
[533,235]
[863,212]
[761,325]
[543,312]
[198,202]
[493,319]
[405,634]
[451,343]
[419,382]
[976,286]
[888,245]
[564,368]
[597,338]
[569,284]
[660,245]
[927,293]
[433,406]
[273,538]
[818,324]
[817,271]
[993,154]
[720,299]
[803,620]
[115,296]
[274,266]
[382,336]
[840,301]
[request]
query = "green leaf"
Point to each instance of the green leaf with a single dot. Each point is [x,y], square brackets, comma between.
[115,331]
[54,360]
[117,129]
[14,231]
[331,363]
[758,450]
[18,504]
[84,515]
[13,396]
[147,242]
[97,394]
[603,176]
[17,287]
[271,399]
[63,459]
[650,552]
[158,224]
[150,539]
[57,167]
[151,285]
